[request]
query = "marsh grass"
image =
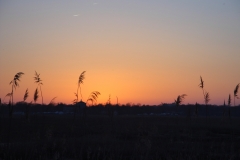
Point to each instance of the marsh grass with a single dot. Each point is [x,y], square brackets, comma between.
[27,105]
[8,95]
[201,85]
[38,80]
[80,81]
[179,101]
[52,103]
[229,105]
[57,137]
[75,101]
[35,96]
[15,84]
[235,93]
[206,100]
[93,97]
[25,95]
[206,95]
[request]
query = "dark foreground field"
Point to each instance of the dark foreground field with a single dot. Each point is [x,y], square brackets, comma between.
[123,137]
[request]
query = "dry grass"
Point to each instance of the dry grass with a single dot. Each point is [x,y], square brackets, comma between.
[35,97]
[80,81]
[25,95]
[235,93]
[93,97]
[38,80]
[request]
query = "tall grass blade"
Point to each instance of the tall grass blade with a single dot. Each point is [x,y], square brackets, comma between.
[52,101]
[14,82]
[229,100]
[80,81]
[180,99]
[35,98]
[39,82]
[236,92]
[37,78]
[207,98]
[93,97]
[25,96]
[201,85]
[229,104]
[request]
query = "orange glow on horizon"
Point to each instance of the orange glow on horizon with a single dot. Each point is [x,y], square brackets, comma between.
[120,85]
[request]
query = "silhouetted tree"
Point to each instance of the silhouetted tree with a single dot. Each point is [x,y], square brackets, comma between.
[235,93]
[39,82]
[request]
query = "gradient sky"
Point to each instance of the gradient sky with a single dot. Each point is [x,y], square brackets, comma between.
[141,51]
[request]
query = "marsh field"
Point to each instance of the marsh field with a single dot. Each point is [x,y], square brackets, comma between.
[51,136]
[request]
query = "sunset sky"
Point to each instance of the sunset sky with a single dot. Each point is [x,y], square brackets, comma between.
[141,51]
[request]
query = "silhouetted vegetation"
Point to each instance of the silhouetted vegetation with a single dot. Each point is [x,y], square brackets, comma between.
[206,95]
[80,81]
[25,95]
[201,85]
[108,131]
[14,84]
[52,102]
[235,93]
[229,105]
[39,83]
[35,97]
[93,97]
[135,132]
[180,99]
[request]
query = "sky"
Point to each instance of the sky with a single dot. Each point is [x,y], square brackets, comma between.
[138,51]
